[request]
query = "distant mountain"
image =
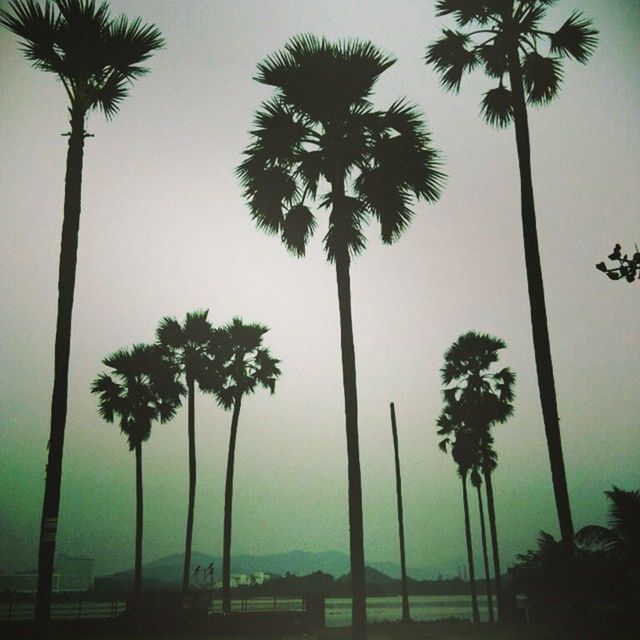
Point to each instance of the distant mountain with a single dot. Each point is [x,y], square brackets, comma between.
[168,570]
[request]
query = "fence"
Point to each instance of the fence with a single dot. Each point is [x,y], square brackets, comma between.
[79,609]
[20,610]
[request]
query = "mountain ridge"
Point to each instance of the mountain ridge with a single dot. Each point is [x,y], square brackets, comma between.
[168,569]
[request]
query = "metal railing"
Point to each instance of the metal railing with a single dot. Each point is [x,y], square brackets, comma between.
[69,610]
[83,609]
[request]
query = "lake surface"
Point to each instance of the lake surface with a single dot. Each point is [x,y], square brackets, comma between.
[422,608]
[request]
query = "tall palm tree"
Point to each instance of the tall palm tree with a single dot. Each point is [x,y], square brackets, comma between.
[142,388]
[187,346]
[476,481]
[479,398]
[96,58]
[246,365]
[320,130]
[464,450]
[508,42]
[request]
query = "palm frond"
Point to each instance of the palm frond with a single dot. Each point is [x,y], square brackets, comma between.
[297,228]
[497,106]
[323,79]
[468,11]
[197,329]
[130,44]
[451,58]
[542,77]
[575,38]
[279,133]
[310,168]
[169,333]
[345,226]
[37,26]
[267,189]
[597,536]
[530,15]
[109,96]
[624,512]
[494,58]
[110,393]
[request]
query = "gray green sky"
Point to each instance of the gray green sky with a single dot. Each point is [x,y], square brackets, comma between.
[164,230]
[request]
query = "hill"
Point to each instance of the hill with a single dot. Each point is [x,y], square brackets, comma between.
[168,570]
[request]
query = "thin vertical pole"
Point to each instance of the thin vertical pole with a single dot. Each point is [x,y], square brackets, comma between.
[406,617]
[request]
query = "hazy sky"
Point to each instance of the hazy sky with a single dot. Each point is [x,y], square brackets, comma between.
[164,230]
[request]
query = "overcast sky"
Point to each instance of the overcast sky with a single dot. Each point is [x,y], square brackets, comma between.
[164,230]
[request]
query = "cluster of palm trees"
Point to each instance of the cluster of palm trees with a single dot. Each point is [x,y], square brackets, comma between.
[146,384]
[475,399]
[319,141]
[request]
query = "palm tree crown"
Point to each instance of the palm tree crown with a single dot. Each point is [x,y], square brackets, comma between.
[498,24]
[244,362]
[95,56]
[477,397]
[188,345]
[141,389]
[321,128]
[621,539]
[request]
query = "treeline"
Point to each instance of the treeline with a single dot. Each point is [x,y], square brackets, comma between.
[376,585]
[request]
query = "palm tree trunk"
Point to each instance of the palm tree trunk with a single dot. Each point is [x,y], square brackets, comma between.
[66,285]
[485,555]
[191,431]
[228,508]
[406,616]
[356,525]
[467,532]
[493,529]
[137,574]
[539,326]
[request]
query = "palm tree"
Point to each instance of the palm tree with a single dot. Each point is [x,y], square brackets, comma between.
[406,616]
[246,365]
[464,451]
[141,389]
[476,481]
[508,43]
[477,399]
[321,130]
[187,347]
[621,539]
[96,58]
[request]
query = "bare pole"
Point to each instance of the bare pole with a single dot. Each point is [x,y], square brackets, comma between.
[406,617]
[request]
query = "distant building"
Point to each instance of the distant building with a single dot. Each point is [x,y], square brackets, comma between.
[247,579]
[70,573]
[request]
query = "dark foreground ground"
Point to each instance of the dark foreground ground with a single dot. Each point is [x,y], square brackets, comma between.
[416,631]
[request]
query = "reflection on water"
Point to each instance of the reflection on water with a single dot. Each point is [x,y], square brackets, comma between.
[423,608]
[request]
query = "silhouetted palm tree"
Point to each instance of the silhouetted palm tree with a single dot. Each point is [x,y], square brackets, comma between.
[320,129]
[464,451]
[247,364]
[96,58]
[476,481]
[508,43]
[621,539]
[188,347]
[141,389]
[477,399]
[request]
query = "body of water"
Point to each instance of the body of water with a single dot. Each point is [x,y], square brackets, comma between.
[389,609]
